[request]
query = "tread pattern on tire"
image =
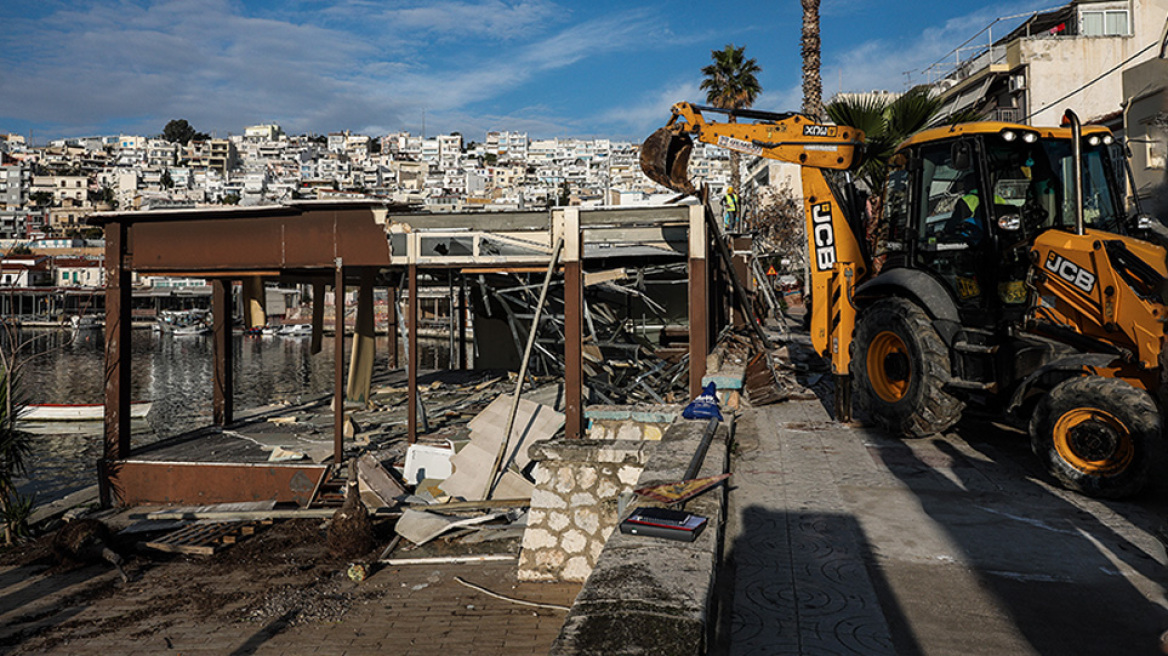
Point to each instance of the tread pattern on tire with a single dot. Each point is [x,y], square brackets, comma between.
[927,408]
[1132,406]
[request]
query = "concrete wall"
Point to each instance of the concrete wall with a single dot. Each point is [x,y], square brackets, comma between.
[1060,65]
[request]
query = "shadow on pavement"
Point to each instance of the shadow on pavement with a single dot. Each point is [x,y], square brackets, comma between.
[1051,565]
[801,583]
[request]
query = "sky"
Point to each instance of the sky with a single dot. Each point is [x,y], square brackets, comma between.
[550,68]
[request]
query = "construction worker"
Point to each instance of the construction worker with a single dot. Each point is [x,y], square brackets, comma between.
[730,210]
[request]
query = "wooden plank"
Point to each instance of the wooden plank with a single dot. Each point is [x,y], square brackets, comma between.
[202,539]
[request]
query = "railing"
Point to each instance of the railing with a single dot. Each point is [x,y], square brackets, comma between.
[975,54]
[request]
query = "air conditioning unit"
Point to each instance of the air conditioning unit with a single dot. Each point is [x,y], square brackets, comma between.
[1018,82]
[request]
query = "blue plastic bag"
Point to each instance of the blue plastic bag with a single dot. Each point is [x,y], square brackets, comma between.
[705,406]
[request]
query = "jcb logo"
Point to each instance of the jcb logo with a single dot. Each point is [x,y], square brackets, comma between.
[1070,272]
[823,232]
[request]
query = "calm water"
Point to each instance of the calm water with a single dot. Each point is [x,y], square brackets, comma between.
[174,373]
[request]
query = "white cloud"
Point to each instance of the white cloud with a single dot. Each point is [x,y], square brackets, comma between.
[887,64]
[141,65]
[490,18]
[651,111]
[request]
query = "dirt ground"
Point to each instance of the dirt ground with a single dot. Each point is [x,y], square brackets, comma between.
[272,592]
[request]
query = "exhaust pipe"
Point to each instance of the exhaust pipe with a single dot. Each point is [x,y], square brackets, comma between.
[1077,167]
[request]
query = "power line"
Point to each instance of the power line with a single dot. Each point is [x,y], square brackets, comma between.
[1103,75]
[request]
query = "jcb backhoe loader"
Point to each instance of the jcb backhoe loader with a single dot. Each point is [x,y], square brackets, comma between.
[1002,276]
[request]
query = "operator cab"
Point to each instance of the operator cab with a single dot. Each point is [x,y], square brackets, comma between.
[964,204]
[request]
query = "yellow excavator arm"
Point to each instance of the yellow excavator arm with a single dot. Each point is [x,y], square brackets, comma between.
[833,248]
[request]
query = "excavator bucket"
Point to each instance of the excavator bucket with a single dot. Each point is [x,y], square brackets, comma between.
[665,159]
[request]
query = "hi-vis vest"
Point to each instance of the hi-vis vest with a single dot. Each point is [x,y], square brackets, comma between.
[972,200]
[731,202]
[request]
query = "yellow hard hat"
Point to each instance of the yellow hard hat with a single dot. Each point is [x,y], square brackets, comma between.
[729,189]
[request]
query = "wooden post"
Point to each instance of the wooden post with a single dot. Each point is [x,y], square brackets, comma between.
[223,408]
[361,364]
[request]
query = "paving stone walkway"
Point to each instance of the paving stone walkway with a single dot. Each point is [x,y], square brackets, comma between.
[844,540]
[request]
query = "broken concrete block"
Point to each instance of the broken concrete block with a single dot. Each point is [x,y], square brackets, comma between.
[280,454]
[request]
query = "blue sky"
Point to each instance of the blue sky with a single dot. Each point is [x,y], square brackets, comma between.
[547,67]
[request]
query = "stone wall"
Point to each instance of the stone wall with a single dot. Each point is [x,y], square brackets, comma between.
[574,507]
[648,595]
[623,422]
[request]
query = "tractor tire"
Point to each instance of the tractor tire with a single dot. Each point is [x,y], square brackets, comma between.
[900,369]
[1097,436]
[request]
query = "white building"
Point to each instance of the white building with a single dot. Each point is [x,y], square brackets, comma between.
[1071,57]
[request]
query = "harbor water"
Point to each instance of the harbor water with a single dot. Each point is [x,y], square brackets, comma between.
[174,373]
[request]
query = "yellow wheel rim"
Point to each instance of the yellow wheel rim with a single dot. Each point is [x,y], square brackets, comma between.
[888,366]
[1093,441]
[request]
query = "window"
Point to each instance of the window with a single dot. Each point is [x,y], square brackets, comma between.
[1156,151]
[1111,22]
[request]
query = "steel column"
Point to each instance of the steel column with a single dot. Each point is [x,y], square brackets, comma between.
[699,335]
[573,324]
[117,343]
[412,354]
[339,369]
[317,315]
[462,323]
[223,374]
[391,332]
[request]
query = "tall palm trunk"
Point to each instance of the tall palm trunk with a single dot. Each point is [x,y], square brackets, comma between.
[812,83]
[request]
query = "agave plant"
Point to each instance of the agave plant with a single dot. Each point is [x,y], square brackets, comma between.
[14,445]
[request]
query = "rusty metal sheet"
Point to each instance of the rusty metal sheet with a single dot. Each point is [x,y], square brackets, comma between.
[138,482]
[297,239]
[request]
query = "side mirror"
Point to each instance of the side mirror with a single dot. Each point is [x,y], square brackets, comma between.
[962,161]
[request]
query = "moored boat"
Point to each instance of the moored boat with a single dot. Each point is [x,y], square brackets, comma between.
[76,411]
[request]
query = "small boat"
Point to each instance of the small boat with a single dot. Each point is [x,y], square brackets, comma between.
[184,322]
[76,411]
[296,330]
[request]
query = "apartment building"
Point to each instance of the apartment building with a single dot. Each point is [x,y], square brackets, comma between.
[14,183]
[507,145]
[1070,57]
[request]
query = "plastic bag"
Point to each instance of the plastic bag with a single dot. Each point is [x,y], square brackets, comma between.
[705,406]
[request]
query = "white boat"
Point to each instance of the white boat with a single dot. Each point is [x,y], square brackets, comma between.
[76,411]
[85,322]
[296,330]
[184,322]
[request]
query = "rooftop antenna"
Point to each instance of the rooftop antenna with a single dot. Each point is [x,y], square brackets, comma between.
[423,124]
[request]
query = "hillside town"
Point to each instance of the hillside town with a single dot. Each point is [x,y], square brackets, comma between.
[883,373]
[47,191]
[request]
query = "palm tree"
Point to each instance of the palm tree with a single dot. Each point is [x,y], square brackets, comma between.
[812,83]
[731,84]
[886,123]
